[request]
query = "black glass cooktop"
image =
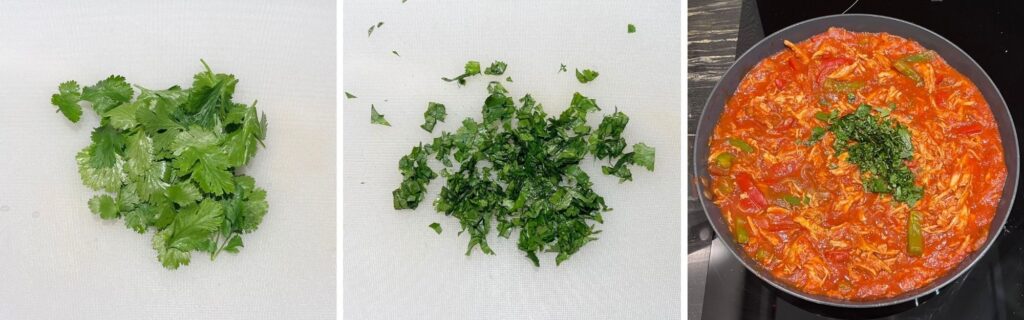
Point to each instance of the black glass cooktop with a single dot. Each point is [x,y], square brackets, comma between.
[989,31]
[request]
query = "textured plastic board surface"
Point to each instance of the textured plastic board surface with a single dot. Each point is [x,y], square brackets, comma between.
[61,262]
[396,267]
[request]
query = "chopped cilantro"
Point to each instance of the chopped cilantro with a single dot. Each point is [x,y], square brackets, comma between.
[878,146]
[518,169]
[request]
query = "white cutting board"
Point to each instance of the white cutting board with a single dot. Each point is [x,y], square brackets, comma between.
[396,267]
[58,261]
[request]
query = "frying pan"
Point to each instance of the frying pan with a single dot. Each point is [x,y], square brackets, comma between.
[772,44]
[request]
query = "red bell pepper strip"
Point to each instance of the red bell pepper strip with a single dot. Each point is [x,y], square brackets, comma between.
[968,129]
[754,196]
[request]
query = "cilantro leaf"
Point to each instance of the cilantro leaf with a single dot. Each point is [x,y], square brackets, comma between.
[435,112]
[141,168]
[140,218]
[377,118]
[124,116]
[436,226]
[586,76]
[104,206]
[248,206]
[108,93]
[233,244]
[209,96]
[190,231]
[210,172]
[67,99]
[241,144]
[183,193]
[107,146]
[98,178]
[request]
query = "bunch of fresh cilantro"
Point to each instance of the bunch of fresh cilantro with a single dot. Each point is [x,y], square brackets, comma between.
[166,160]
[518,169]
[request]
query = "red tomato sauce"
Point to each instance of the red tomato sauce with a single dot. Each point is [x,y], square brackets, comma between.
[804,212]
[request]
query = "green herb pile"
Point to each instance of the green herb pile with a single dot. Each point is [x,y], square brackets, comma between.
[518,169]
[879,146]
[166,160]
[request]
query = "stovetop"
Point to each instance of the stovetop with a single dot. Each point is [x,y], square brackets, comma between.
[989,31]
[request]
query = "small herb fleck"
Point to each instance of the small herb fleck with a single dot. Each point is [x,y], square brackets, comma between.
[349,95]
[436,226]
[472,68]
[586,75]
[435,112]
[377,118]
[497,68]
[630,28]
[816,134]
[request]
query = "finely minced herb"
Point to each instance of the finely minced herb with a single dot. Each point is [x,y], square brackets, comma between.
[517,169]
[879,146]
